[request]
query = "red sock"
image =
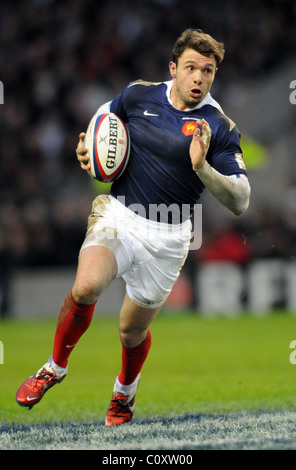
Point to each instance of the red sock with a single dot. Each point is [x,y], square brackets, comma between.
[73,321]
[133,360]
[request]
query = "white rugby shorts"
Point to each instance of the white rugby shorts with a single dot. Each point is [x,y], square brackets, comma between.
[149,254]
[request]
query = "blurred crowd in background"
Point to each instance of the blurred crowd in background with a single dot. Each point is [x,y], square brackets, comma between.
[60,60]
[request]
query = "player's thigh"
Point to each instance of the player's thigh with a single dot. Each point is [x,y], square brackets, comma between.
[134,322]
[97,267]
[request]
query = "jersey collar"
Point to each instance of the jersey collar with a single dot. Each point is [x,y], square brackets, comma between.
[207,99]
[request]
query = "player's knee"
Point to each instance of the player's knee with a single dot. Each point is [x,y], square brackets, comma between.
[131,337]
[86,292]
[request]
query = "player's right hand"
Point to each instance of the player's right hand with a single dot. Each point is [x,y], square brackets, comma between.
[200,145]
[81,153]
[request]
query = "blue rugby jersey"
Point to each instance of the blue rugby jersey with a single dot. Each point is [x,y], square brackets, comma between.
[160,170]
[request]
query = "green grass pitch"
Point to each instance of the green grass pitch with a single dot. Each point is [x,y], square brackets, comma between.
[196,365]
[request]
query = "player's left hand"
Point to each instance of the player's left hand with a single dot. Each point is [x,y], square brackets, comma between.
[200,144]
[81,153]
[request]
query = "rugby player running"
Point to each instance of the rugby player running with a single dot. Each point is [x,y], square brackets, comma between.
[182,142]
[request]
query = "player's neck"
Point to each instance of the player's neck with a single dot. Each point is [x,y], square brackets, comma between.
[175,99]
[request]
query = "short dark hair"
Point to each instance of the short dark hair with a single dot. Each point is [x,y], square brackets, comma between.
[200,42]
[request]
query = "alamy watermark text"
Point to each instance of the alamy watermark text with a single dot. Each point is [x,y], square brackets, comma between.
[1,93]
[293,353]
[293,93]
[1,353]
[174,221]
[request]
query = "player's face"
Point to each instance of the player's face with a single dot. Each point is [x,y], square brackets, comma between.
[193,77]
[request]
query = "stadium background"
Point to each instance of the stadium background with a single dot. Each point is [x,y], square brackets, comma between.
[60,60]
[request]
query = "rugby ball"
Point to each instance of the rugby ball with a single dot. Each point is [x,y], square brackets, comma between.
[108,143]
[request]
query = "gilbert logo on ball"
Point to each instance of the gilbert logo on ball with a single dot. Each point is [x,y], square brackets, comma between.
[108,143]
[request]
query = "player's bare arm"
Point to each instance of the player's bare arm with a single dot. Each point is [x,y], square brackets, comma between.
[232,191]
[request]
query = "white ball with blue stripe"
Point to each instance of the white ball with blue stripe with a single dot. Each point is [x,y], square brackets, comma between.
[108,143]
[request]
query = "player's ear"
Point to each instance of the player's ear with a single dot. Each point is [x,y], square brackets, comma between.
[172,67]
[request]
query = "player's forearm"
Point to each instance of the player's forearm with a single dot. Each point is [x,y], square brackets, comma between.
[231,191]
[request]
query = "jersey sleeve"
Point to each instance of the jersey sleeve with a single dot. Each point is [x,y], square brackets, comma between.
[225,151]
[128,99]
[118,105]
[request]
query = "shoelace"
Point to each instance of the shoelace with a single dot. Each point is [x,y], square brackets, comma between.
[120,401]
[46,375]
